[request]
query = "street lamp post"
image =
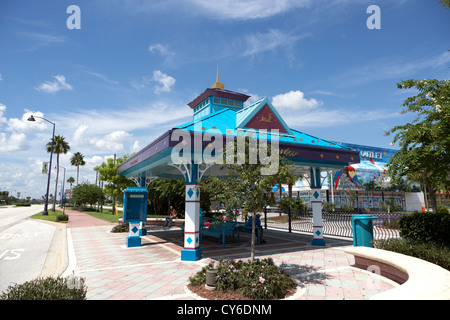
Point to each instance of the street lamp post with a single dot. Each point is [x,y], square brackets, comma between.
[63,194]
[31,118]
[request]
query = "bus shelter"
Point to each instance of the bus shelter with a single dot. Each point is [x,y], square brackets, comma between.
[219,116]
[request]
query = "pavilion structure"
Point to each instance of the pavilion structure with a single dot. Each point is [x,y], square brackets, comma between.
[218,112]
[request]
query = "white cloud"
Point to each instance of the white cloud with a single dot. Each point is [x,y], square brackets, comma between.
[294,101]
[166,82]
[39,40]
[110,142]
[25,126]
[100,131]
[58,84]
[247,9]
[103,77]
[300,113]
[2,110]
[261,42]
[330,118]
[14,142]
[158,48]
[1,78]
[391,69]
[135,147]
[14,136]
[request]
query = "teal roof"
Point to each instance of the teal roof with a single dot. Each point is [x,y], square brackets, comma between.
[226,121]
[305,150]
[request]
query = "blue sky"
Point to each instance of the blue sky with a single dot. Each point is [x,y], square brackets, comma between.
[127,75]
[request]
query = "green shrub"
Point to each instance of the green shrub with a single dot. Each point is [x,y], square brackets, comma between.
[70,288]
[430,252]
[62,217]
[426,227]
[261,279]
[121,228]
[442,209]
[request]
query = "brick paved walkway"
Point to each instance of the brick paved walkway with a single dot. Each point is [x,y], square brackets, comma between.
[154,271]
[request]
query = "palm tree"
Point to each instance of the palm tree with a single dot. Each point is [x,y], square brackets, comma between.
[71,180]
[77,160]
[60,145]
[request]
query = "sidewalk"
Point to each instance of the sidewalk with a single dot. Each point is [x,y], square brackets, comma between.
[154,271]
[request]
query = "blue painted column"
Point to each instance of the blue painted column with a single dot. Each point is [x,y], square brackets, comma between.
[316,205]
[142,230]
[191,250]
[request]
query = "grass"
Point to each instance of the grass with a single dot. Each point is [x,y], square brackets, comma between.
[105,215]
[51,215]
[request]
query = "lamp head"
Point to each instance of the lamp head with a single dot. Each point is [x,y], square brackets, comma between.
[31,118]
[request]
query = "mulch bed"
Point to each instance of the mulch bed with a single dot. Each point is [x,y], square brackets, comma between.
[222,295]
[216,294]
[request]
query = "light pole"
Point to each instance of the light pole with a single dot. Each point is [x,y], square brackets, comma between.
[63,194]
[31,118]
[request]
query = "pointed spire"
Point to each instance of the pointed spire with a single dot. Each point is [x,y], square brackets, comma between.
[217,84]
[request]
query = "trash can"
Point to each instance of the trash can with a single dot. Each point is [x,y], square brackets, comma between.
[362,227]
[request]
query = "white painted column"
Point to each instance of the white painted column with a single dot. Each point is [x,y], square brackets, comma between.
[191,250]
[316,205]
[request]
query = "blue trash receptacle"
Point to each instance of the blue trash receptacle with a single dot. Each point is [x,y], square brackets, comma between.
[362,227]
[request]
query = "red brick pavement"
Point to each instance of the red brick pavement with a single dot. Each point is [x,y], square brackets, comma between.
[79,219]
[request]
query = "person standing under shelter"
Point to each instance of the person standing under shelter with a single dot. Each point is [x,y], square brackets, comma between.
[172,215]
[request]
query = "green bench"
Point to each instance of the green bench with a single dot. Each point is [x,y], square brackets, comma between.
[243,227]
[220,231]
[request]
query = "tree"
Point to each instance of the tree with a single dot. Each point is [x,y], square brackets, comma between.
[60,145]
[77,160]
[425,142]
[246,186]
[70,180]
[161,192]
[87,194]
[445,3]
[116,183]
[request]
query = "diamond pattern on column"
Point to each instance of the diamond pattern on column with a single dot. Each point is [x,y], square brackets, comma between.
[189,240]
[316,194]
[190,193]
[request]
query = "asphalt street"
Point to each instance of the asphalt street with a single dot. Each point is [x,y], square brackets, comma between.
[24,244]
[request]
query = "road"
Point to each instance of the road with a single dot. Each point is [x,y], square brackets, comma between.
[24,244]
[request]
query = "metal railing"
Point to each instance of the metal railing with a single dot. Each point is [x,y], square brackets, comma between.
[336,223]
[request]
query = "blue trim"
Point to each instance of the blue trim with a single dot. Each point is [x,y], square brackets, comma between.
[318,242]
[315,183]
[191,254]
[133,242]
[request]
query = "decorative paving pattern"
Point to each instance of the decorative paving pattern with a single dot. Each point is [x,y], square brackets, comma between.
[154,271]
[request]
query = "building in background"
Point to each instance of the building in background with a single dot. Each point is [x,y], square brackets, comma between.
[363,185]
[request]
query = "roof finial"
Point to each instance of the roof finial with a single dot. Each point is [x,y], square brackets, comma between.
[217,84]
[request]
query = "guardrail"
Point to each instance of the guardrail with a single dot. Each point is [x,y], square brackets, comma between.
[337,223]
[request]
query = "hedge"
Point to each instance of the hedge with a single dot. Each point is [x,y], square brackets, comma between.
[426,227]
